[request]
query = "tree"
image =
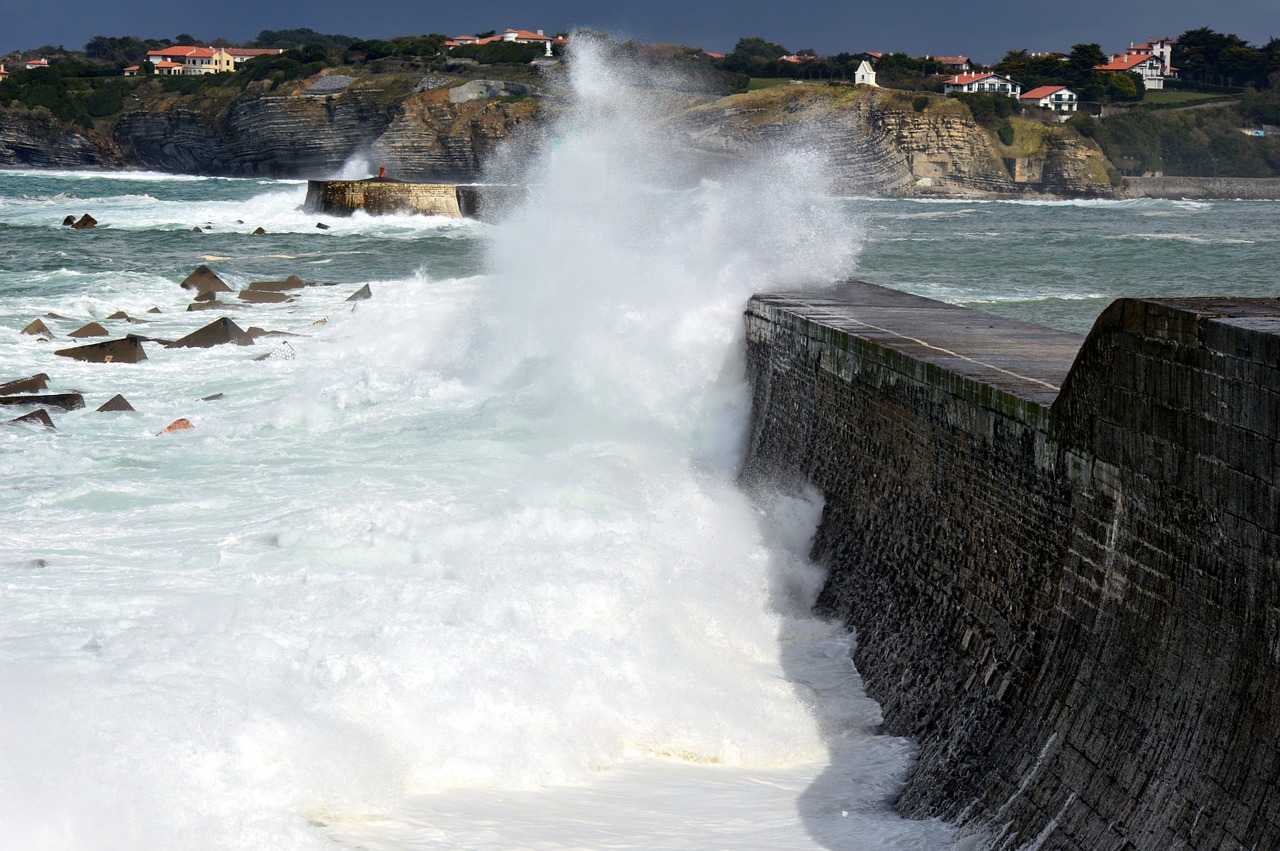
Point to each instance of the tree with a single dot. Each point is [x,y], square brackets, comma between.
[757,48]
[1081,62]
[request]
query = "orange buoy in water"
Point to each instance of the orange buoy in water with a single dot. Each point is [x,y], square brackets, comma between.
[176,425]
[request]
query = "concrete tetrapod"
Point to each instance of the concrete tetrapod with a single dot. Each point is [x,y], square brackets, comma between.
[37,417]
[65,401]
[38,329]
[39,381]
[128,350]
[216,333]
[203,280]
[93,329]
[115,403]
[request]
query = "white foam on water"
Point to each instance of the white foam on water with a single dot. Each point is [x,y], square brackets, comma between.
[469,569]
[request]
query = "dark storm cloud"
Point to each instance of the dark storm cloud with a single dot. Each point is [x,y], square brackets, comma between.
[984,31]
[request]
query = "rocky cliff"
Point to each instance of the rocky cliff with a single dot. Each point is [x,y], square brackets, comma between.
[36,139]
[416,136]
[878,143]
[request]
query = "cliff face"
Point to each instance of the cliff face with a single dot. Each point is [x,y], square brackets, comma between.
[877,144]
[37,139]
[874,139]
[418,137]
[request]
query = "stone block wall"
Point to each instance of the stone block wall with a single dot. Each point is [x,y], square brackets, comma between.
[1070,598]
[379,197]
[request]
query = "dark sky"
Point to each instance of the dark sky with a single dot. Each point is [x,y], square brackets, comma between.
[983,31]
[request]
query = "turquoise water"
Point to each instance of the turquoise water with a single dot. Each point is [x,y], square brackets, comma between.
[1060,264]
[465,565]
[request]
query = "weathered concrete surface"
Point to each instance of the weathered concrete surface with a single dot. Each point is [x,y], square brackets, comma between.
[1064,569]
[216,333]
[65,401]
[381,197]
[30,384]
[127,350]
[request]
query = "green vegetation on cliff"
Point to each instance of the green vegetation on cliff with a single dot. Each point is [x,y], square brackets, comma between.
[1198,142]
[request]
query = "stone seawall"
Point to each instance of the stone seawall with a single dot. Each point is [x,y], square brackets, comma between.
[1228,188]
[380,197]
[1061,554]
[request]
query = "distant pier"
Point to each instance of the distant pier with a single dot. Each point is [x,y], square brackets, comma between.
[380,196]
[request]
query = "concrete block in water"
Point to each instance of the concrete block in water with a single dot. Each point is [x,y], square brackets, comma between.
[38,417]
[65,401]
[204,280]
[128,350]
[37,328]
[264,296]
[25,385]
[93,329]
[115,403]
[293,282]
[216,333]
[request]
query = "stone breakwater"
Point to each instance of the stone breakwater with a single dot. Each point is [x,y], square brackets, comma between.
[1061,554]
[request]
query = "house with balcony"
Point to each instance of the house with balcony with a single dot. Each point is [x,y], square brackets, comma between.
[1056,98]
[1152,61]
[982,83]
[191,60]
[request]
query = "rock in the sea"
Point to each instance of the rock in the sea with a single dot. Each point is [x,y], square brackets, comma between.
[37,417]
[176,425]
[323,320]
[322,226]
[25,385]
[197,230]
[215,397]
[38,329]
[65,401]
[216,333]
[361,294]
[93,329]
[53,315]
[85,222]
[258,231]
[68,221]
[213,304]
[264,296]
[115,403]
[203,280]
[207,296]
[154,310]
[128,350]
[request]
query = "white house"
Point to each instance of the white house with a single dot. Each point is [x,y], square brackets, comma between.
[36,63]
[1057,98]
[865,75]
[984,83]
[1146,65]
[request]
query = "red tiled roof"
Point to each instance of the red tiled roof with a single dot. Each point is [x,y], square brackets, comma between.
[1126,63]
[254,51]
[966,79]
[175,50]
[952,60]
[1042,92]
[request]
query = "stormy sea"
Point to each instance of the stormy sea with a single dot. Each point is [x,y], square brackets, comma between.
[465,564]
